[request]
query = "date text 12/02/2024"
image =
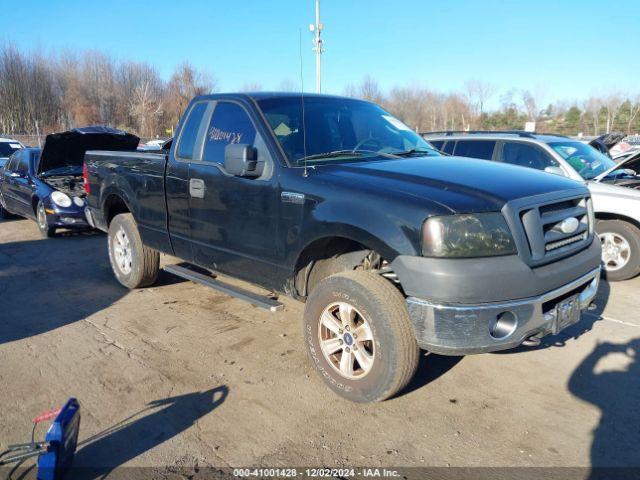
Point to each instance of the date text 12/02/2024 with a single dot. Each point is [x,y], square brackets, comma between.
[316,472]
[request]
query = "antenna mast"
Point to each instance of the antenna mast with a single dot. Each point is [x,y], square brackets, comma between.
[318,45]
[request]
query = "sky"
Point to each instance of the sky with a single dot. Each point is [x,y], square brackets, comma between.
[561,49]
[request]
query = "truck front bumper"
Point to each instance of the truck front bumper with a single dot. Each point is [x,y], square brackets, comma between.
[468,329]
[465,306]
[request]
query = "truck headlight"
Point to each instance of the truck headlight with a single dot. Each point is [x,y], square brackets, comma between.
[467,235]
[61,199]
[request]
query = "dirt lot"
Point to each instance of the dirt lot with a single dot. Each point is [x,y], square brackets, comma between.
[178,375]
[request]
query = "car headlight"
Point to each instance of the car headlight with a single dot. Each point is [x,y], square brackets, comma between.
[61,199]
[467,235]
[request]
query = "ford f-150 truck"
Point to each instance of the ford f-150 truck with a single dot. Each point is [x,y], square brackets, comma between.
[335,202]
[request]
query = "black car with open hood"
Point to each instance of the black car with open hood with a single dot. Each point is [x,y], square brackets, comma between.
[65,151]
[47,185]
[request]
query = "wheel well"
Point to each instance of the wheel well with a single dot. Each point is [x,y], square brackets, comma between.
[114,205]
[330,255]
[615,216]
[34,204]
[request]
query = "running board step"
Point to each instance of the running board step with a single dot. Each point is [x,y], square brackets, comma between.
[233,291]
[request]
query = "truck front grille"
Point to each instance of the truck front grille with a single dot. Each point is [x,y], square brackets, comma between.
[557,228]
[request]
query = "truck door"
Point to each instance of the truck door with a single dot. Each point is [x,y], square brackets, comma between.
[234,220]
[187,149]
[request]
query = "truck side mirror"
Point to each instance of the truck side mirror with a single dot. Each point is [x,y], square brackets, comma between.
[555,171]
[241,160]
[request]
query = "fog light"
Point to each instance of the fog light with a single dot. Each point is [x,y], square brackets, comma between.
[503,325]
[68,220]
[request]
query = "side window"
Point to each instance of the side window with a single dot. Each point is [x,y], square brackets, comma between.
[475,148]
[229,124]
[437,143]
[449,146]
[13,162]
[190,131]
[23,164]
[526,155]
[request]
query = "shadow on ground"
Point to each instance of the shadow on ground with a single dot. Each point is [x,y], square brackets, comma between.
[47,284]
[430,368]
[160,421]
[609,378]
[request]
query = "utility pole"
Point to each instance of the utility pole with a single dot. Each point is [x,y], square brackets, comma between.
[318,47]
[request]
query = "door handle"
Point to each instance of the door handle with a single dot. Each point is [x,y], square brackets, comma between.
[196,187]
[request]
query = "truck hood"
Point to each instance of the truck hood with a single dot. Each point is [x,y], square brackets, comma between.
[67,149]
[459,184]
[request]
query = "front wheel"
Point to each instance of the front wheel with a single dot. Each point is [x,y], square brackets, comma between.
[43,224]
[620,249]
[133,264]
[359,336]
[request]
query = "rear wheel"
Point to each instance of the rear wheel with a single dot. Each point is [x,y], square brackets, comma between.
[359,336]
[43,224]
[620,249]
[133,264]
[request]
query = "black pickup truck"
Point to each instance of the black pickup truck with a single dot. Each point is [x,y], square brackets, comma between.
[336,203]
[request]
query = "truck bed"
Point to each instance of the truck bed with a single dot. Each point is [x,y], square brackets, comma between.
[140,177]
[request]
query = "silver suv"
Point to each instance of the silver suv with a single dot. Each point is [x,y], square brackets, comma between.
[614,187]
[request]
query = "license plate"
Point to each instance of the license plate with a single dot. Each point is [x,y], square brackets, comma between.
[567,313]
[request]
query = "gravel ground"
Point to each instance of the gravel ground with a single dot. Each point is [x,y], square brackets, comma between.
[178,375]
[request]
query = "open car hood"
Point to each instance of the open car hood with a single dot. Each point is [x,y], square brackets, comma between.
[606,142]
[632,162]
[68,148]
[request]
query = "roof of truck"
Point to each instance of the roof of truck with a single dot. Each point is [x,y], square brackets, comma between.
[266,95]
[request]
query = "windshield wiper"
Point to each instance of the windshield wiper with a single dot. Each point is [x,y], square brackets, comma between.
[335,153]
[413,151]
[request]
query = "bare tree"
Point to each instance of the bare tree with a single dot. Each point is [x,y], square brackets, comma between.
[251,87]
[478,93]
[634,108]
[368,89]
[185,83]
[612,104]
[592,107]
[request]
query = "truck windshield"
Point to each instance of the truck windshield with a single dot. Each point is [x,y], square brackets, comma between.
[584,159]
[339,130]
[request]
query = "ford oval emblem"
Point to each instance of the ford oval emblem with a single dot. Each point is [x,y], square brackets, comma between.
[569,225]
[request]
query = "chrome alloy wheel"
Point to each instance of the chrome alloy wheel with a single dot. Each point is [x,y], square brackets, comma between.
[346,340]
[616,251]
[42,217]
[122,251]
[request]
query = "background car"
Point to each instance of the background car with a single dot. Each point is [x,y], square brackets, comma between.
[24,193]
[47,185]
[7,148]
[614,187]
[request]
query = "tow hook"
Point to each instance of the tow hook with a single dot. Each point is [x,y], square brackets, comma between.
[532,342]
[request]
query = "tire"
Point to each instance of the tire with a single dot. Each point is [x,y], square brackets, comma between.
[391,356]
[620,249]
[133,264]
[41,220]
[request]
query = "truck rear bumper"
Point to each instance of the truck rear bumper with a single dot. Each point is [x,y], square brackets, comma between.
[459,329]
